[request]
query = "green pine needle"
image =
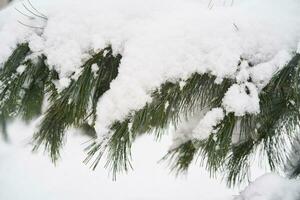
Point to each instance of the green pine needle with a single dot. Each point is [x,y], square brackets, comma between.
[271,129]
[76,103]
[9,86]
[169,104]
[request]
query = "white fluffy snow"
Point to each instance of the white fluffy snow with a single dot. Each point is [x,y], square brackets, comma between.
[193,38]
[263,72]
[241,99]
[271,187]
[208,122]
[28,176]
[184,130]
[159,41]
[21,69]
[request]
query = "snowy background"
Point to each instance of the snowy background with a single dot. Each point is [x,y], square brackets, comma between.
[31,176]
[27,176]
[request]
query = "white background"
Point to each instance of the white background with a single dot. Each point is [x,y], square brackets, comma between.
[27,176]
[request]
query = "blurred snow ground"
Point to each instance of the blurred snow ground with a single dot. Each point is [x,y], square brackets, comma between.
[28,176]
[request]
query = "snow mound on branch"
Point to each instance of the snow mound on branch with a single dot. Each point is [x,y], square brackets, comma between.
[159,41]
[271,187]
[207,124]
[241,99]
[185,129]
[262,72]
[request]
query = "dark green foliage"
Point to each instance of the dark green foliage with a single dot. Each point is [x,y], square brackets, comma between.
[22,93]
[14,61]
[280,111]
[218,145]
[3,127]
[181,157]
[76,103]
[36,79]
[169,104]
[270,131]
[292,166]
[9,87]
[292,117]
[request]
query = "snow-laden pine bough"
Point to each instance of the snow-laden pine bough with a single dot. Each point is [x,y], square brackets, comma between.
[224,76]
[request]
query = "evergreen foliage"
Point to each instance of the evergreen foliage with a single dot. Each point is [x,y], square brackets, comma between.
[22,95]
[271,130]
[169,104]
[77,103]
[11,85]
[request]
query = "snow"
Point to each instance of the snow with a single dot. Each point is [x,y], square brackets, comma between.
[242,99]
[270,187]
[62,83]
[243,72]
[207,124]
[263,72]
[21,69]
[95,68]
[160,41]
[28,176]
[184,130]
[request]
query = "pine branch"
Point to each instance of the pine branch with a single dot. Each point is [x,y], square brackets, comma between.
[23,94]
[271,130]
[181,157]
[169,103]
[73,104]
[35,76]
[9,87]
[218,145]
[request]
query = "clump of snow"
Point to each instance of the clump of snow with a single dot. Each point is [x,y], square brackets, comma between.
[271,187]
[182,134]
[21,69]
[198,126]
[243,72]
[62,83]
[159,41]
[95,68]
[242,99]
[182,84]
[184,130]
[263,72]
[207,124]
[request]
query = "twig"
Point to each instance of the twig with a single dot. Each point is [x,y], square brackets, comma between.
[236,27]
[35,27]
[30,17]
[36,9]
[45,18]
[209,3]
